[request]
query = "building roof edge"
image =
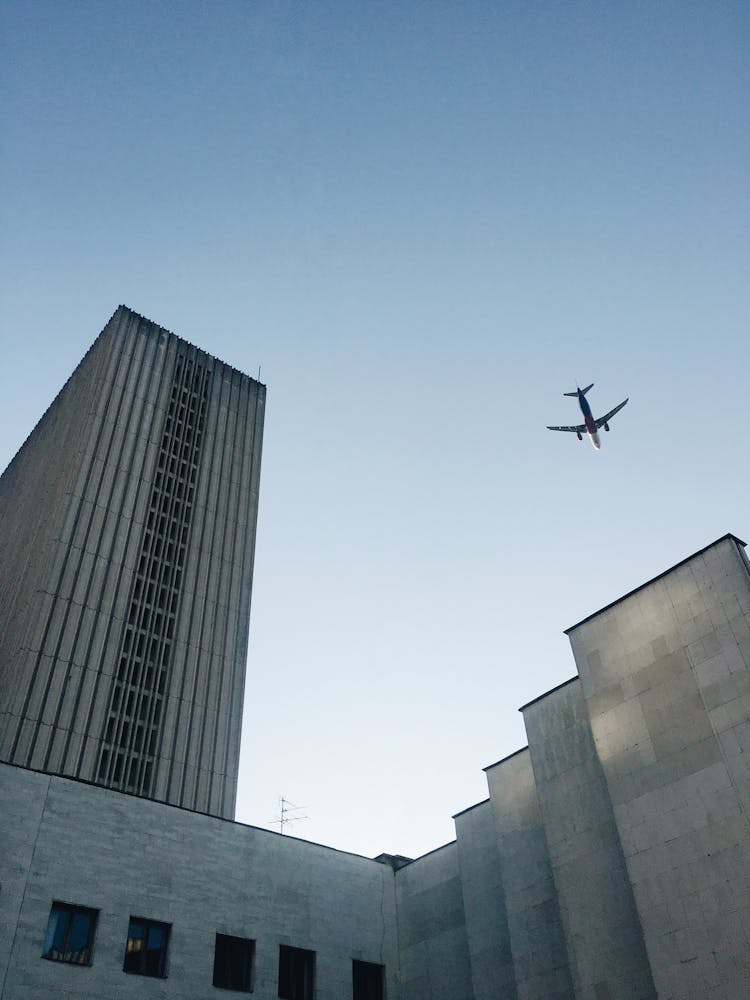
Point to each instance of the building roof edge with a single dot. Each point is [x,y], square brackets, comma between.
[184,340]
[557,687]
[469,808]
[503,759]
[729,536]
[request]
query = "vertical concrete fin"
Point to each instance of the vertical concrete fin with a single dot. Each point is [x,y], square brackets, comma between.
[537,942]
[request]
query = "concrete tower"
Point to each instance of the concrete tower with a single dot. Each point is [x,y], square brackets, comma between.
[127,536]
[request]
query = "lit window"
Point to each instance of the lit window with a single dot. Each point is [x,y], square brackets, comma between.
[233,963]
[70,934]
[367,981]
[296,972]
[146,948]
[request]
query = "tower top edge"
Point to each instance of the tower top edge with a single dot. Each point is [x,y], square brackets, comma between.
[127,311]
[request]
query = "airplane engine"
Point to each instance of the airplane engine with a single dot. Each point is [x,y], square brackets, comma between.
[606,427]
[580,436]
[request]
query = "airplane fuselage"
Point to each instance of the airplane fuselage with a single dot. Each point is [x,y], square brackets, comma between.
[588,419]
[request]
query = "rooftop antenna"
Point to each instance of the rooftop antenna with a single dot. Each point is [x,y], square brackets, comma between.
[286,811]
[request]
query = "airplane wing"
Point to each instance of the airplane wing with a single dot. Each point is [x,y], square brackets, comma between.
[580,429]
[608,416]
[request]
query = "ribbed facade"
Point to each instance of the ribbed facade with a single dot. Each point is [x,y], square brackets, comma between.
[127,534]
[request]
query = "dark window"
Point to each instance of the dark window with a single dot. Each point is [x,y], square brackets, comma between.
[367,981]
[146,949]
[70,934]
[132,772]
[296,971]
[233,963]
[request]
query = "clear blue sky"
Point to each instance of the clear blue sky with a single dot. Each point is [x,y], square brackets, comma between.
[426,221]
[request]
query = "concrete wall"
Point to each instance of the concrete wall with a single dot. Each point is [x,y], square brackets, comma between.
[492,972]
[433,951]
[602,931]
[537,943]
[665,675]
[77,843]
[35,494]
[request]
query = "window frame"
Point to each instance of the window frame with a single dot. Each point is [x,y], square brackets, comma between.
[308,986]
[163,952]
[70,910]
[249,944]
[361,988]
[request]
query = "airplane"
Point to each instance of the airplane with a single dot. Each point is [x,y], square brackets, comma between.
[591,424]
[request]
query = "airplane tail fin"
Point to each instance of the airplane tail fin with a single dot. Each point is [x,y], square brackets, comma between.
[575,394]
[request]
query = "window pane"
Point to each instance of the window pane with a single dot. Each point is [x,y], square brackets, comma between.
[153,964]
[70,934]
[133,950]
[367,981]
[78,939]
[134,947]
[285,974]
[57,928]
[296,972]
[154,951]
[155,938]
[233,960]
[146,948]
[79,931]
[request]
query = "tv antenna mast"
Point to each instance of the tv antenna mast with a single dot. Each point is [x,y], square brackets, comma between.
[287,815]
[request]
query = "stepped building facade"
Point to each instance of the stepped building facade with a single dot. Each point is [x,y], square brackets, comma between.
[610,860]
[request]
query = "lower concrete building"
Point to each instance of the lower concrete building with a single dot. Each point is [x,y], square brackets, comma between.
[120,864]
[611,860]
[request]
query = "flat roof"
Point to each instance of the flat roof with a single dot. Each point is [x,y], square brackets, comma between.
[724,538]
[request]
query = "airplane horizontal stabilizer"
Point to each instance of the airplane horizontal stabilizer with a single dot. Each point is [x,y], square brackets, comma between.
[575,394]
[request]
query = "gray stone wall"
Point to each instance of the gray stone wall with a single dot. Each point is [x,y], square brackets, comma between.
[537,942]
[492,972]
[433,951]
[665,676]
[22,798]
[602,931]
[76,843]
[35,494]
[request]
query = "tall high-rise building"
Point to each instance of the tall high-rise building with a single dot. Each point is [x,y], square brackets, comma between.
[127,537]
